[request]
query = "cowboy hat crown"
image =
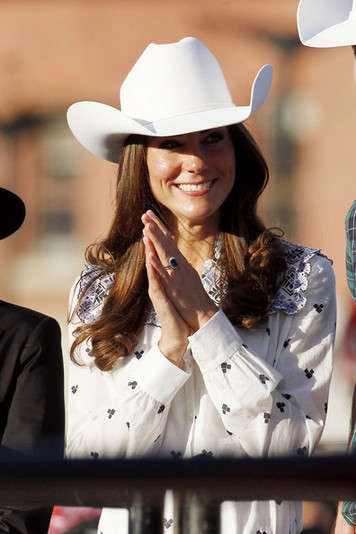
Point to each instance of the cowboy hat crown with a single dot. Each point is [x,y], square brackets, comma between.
[186,71]
[327,23]
[172,89]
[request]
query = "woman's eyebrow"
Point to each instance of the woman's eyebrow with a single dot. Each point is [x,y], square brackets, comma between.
[202,132]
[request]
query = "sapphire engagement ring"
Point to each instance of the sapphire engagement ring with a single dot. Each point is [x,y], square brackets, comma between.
[172,263]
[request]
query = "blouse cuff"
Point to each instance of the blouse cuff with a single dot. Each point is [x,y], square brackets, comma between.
[159,377]
[214,341]
[218,340]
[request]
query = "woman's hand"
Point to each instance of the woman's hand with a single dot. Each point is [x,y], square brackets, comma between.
[175,332]
[182,285]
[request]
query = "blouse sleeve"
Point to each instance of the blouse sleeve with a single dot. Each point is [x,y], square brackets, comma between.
[119,413]
[276,408]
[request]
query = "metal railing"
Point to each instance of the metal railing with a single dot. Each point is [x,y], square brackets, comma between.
[200,485]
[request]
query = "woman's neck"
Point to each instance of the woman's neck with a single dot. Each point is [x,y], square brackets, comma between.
[196,243]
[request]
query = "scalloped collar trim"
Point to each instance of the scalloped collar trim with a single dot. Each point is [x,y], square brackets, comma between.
[289,298]
[93,300]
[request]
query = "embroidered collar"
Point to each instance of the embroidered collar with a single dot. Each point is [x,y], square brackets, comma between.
[290,297]
[93,300]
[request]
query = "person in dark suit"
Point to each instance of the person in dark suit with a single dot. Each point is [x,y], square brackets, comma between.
[31,386]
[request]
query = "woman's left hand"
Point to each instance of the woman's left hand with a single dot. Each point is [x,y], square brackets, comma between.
[183,285]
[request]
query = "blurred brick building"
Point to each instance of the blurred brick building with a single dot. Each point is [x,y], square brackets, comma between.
[53,53]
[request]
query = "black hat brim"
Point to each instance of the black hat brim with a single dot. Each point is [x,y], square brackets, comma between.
[12,212]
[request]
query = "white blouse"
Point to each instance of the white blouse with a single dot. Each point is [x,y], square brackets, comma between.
[242,392]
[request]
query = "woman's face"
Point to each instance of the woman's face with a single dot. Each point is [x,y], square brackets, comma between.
[192,174]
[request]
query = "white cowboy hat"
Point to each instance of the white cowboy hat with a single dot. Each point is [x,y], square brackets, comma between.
[327,23]
[172,89]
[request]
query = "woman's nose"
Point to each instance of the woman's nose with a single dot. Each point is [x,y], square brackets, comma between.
[194,162]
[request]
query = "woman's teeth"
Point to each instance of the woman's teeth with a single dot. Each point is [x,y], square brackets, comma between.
[195,187]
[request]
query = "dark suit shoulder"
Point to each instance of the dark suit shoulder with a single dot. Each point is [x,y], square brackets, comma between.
[14,316]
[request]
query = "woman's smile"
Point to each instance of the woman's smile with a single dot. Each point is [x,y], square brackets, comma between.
[197,189]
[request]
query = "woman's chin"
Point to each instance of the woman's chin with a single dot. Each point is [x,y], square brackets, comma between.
[197,216]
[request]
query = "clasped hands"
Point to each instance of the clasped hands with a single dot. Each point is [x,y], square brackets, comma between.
[177,295]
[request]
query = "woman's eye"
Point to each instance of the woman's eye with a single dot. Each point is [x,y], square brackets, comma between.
[169,144]
[213,137]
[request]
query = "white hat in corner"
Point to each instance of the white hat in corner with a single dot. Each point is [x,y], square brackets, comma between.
[172,89]
[327,23]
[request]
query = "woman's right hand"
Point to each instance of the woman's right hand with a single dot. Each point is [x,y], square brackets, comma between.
[175,331]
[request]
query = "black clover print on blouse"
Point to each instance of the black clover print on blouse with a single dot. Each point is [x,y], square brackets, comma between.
[225,366]
[167,523]
[309,373]
[263,378]
[280,406]
[286,343]
[225,409]
[302,451]
[319,307]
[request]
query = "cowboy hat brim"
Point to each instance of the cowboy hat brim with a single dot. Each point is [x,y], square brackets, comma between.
[12,212]
[102,129]
[326,23]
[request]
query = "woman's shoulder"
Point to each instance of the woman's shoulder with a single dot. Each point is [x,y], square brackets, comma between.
[301,259]
[303,266]
[91,287]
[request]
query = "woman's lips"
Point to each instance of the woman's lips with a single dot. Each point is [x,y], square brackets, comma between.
[196,189]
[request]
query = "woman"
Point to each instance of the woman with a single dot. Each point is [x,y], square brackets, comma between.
[200,331]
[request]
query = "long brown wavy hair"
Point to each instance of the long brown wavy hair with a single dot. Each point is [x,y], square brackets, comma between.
[251,263]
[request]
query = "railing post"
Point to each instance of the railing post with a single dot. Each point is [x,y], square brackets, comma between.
[145,518]
[199,515]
